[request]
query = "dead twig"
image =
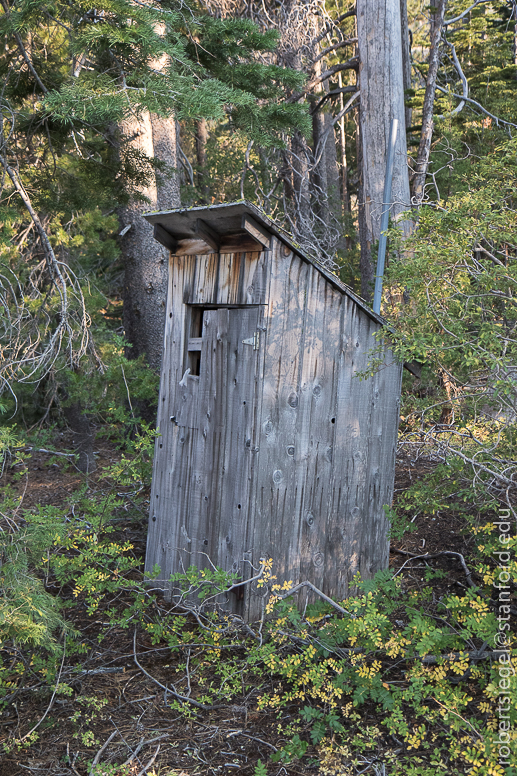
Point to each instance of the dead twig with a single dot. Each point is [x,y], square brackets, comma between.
[316,590]
[252,738]
[428,556]
[151,761]
[101,750]
[173,692]
[36,726]
[141,746]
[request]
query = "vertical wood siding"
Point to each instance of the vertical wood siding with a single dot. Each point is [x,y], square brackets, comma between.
[278,452]
[327,438]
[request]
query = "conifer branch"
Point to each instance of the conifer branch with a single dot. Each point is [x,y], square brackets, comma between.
[464,13]
[23,52]
[478,105]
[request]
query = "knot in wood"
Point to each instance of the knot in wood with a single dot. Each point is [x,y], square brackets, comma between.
[293,400]
[277,476]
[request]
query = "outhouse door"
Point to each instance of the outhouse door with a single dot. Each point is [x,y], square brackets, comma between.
[215,417]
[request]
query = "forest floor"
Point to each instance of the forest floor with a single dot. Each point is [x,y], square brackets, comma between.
[118,711]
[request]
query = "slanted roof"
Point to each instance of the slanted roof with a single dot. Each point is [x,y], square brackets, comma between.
[181,223]
[227,218]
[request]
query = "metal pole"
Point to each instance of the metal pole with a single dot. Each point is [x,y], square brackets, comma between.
[386,203]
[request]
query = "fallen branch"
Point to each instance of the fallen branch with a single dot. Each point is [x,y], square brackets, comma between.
[151,761]
[101,750]
[318,592]
[428,556]
[141,746]
[345,652]
[23,738]
[48,452]
[252,738]
[168,691]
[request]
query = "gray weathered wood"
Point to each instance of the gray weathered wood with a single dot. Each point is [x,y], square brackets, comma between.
[277,449]
[205,232]
[257,231]
[381,81]
[165,238]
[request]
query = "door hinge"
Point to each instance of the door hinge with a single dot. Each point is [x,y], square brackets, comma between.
[255,340]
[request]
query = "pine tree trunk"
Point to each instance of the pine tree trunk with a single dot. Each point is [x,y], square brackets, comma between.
[406,56]
[382,99]
[424,148]
[201,141]
[146,261]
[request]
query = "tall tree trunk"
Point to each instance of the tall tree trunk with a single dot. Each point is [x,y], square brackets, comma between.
[406,55]
[201,141]
[146,261]
[345,193]
[382,99]
[424,148]
[331,163]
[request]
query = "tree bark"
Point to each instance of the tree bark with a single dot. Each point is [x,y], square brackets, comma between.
[345,194]
[201,141]
[382,99]
[146,261]
[406,56]
[424,148]
[84,437]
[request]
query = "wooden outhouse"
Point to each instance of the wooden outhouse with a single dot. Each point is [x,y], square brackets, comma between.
[271,446]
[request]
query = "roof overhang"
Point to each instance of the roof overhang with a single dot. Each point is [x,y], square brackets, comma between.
[238,225]
[226,221]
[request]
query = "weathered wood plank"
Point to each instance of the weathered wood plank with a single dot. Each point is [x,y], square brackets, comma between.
[316,432]
[348,503]
[253,281]
[230,279]
[385,411]
[165,238]
[186,402]
[163,535]
[239,243]
[205,232]
[237,441]
[204,288]
[275,487]
[194,343]
[257,231]
[193,246]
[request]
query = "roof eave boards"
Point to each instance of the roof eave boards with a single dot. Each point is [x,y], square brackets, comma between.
[180,223]
[211,223]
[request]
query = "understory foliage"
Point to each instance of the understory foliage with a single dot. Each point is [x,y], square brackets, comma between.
[458,275]
[420,667]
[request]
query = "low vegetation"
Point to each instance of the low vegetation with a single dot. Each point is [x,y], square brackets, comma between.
[99,675]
